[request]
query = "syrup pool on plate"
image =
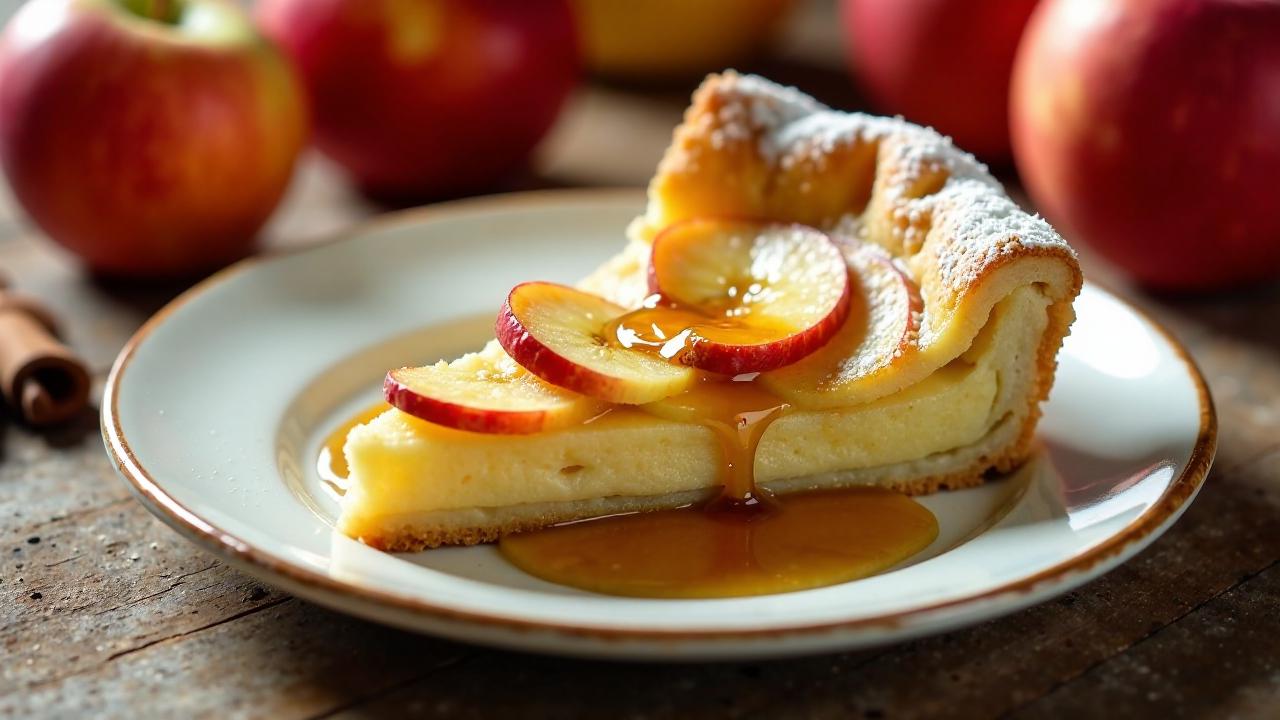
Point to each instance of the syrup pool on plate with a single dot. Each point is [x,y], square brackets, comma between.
[745,541]
[808,540]
[332,462]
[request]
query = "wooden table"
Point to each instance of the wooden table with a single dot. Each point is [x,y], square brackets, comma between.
[108,612]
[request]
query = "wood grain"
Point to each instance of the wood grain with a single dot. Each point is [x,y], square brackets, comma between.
[106,612]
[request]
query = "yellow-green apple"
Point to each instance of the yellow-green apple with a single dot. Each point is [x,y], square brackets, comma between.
[150,138]
[884,318]
[559,333]
[944,63]
[659,39]
[421,98]
[1151,130]
[743,297]
[486,392]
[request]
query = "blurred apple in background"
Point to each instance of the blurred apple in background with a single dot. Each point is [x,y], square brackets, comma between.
[943,63]
[667,39]
[429,98]
[146,144]
[1151,130]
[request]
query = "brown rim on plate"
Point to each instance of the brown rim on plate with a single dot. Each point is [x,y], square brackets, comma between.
[242,554]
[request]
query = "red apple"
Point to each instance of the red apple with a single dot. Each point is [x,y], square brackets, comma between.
[429,97]
[943,63]
[146,145]
[872,346]
[1151,130]
[744,296]
[559,334]
[675,39]
[486,392]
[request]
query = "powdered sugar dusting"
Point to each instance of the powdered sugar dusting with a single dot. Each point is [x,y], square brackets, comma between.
[789,126]
[924,185]
[982,226]
[752,106]
[977,229]
[933,207]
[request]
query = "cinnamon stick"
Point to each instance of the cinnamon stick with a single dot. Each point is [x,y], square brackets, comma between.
[40,378]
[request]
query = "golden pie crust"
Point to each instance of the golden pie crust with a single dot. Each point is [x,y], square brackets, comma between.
[749,148]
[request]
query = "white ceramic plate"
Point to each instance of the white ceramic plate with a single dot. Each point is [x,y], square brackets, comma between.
[215,411]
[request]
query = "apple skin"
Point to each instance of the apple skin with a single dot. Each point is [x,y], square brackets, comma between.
[406,398]
[943,63]
[543,326]
[410,397]
[1151,131]
[877,345]
[145,149]
[681,271]
[430,98]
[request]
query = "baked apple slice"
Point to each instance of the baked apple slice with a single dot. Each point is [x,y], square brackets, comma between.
[752,296]
[880,333]
[486,392]
[560,334]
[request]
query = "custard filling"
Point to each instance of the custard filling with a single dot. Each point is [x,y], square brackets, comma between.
[402,467]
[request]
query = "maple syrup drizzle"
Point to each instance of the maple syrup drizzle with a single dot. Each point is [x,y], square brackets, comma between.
[332,462]
[744,541]
[670,329]
[736,409]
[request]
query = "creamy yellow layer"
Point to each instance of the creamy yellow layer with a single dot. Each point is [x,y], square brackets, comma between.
[400,464]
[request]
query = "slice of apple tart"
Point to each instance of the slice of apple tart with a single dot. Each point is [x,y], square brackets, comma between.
[850,297]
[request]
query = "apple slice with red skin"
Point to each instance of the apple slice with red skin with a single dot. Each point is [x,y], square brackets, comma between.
[560,334]
[486,392]
[769,293]
[880,333]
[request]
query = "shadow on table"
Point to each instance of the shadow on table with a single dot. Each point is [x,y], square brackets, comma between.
[142,295]
[72,433]
[84,427]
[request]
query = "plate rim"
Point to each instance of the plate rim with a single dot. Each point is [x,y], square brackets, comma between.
[244,555]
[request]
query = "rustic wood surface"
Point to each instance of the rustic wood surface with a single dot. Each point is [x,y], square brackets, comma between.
[108,612]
